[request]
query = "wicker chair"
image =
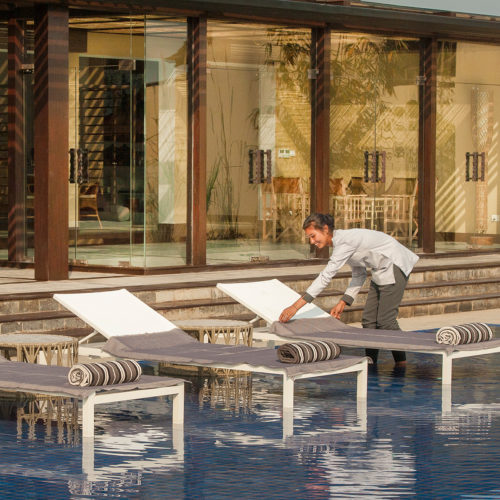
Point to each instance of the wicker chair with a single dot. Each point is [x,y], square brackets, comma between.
[87,201]
[285,204]
[348,209]
[400,208]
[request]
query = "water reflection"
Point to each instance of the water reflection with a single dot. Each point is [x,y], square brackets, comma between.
[407,444]
[59,416]
[112,464]
[234,393]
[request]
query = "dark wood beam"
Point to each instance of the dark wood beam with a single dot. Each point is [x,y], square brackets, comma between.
[427,146]
[320,123]
[16,159]
[341,15]
[51,142]
[337,16]
[196,243]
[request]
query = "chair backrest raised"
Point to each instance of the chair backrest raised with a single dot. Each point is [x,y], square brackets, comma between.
[115,313]
[268,298]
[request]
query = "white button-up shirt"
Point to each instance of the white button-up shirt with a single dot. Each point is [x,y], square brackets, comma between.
[363,249]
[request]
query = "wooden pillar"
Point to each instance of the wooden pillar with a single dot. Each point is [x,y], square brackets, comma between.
[51,142]
[16,159]
[320,123]
[196,243]
[427,146]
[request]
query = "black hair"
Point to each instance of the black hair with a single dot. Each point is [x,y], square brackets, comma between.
[319,221]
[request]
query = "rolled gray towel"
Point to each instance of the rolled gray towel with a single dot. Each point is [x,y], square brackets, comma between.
[308,352]
[107,373]
[468,333]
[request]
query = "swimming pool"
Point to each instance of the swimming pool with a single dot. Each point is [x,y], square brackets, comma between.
[233,445]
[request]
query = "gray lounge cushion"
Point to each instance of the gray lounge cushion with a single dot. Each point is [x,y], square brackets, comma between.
[43,379]
[345,335]
[177,347]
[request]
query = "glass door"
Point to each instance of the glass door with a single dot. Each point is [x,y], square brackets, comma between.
[374,170]
[467,171]
[392,165]
[258,124]
[164,176]
[105,207]
[105,159]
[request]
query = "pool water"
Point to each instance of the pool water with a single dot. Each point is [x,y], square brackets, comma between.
[233,445]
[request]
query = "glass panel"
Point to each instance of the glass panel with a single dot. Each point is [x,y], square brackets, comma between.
[29,141]
[128,104]
[28,171]
[467,171]
[165,181]
[4,193]
[106,156]
[258,157]
[374,134]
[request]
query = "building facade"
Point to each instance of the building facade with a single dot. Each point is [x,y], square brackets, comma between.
[169,135]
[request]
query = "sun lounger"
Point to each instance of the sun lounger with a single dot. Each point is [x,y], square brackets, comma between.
[268,298]
[135,330]
[53,380]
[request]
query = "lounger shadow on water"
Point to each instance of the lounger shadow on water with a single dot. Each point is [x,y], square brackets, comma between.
[268,298]
[135,330]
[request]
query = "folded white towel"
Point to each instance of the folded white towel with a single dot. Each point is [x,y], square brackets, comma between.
[107,373]
[308,352]
[464,334]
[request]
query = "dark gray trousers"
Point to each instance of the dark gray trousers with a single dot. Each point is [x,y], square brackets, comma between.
[381,309]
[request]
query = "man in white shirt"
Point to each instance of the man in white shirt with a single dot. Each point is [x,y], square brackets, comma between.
[390,262]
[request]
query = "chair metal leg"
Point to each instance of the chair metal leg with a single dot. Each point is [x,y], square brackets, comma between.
[88,416]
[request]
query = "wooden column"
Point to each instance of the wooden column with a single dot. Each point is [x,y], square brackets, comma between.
[427,146]
[16,159]
[196,243]
[51,142]
[320,123]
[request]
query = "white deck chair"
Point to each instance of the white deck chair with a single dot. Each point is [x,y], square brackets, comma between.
[267,299]
[121,317]
[53,381]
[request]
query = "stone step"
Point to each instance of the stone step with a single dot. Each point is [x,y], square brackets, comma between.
[408,308]
[431,290]
[225,307]
[427,276]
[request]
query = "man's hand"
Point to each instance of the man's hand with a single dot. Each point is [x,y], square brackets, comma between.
[288,314]
[338,309]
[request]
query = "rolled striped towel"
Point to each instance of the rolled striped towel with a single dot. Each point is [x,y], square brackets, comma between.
[469,333]
[308,352]
[107,373]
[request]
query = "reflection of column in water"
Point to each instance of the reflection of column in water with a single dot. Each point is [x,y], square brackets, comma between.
[50,409]
[467,419]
